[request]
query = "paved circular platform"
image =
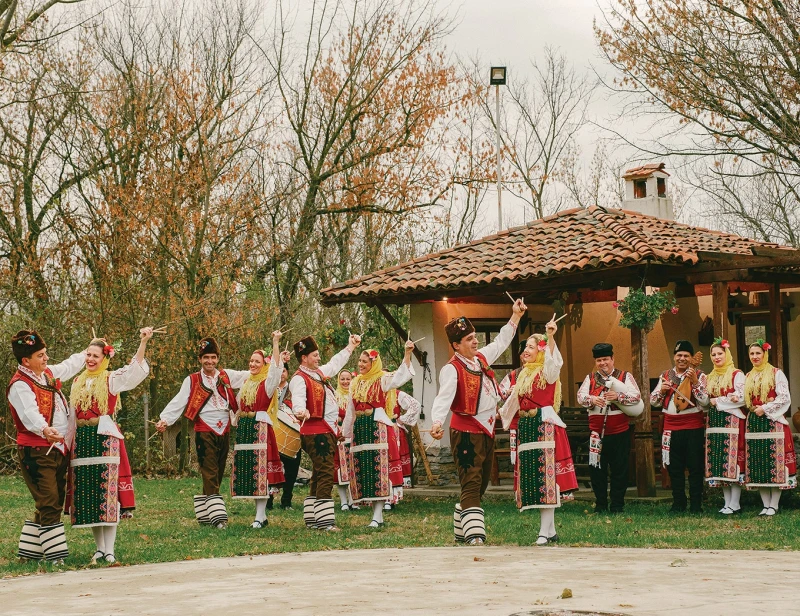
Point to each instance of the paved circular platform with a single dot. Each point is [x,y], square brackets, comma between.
[491,581]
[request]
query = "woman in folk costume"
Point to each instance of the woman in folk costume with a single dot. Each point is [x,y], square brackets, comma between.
[368,426]
[725,427]
[344,461]
[544,472]
[257,466]
[404,421]
[771,465]
[100,474]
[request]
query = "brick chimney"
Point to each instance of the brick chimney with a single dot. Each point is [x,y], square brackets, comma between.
[646,191]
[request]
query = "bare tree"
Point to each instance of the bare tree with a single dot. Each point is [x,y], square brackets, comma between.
[17,18]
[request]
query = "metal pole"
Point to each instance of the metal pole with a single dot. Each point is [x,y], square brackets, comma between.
[146,408]
[499,178]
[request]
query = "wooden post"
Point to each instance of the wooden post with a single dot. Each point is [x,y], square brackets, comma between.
[719,308]
[146,410]
[776,325]
[643,428]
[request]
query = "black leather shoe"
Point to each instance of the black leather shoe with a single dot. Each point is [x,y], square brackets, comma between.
[269,503]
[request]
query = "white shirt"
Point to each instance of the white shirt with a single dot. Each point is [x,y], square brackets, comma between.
[22,398]
[448,380]
[412,409]
[125,378]
[553,362]
[215,413]
[389,381]
[298,387]
[775,410]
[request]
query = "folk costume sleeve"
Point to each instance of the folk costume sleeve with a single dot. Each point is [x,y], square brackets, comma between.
[273,377]
[448,380]
[700,389]
[505,386]
[631,398]
[237,377]
[398,378]
[412,409]
[22,398]
[349,418]
[738,389]
[495,349]
[583,393]
[656,397]
[128,377]
[553,362]
[177,405]
[335,365]
[69,367]
[297,387]
[782,402]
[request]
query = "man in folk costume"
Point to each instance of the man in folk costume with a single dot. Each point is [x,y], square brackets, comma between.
[609,436]
[257,469]
[45,435]
[683,439]
[544,473]
[375,447]
[771,461]
[468,389]
[314,404]
[207,398]
[98,469]
[726,427]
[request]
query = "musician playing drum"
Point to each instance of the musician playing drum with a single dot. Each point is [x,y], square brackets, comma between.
[683,439]
[609,440]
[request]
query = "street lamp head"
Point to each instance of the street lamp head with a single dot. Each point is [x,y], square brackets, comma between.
[497,76]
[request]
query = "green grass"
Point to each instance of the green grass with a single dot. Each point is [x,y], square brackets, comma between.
[164,528]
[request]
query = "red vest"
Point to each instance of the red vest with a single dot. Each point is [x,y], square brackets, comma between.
[615,424]
[756,401]
[199,394]
[316,394]
[683,420]
[94,410]
[376,399]
[469,386]
[45,400]
[262,401]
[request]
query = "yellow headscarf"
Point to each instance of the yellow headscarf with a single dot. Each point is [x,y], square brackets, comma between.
[760,381]
[341,392]
[361,383]
[721,377]
[531,375]
[249,390]
[81,395]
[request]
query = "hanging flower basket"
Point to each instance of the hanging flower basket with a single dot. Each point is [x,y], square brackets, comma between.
[641,310]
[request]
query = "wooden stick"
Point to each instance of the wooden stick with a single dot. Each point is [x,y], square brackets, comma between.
[53,444]
[286,331]
[513,301]
[420,340]
[561,317]
[93,336]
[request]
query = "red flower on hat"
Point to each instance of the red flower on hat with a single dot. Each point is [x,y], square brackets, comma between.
[766,346]
[542,344]
[725,344]
[372,354]
[109,351]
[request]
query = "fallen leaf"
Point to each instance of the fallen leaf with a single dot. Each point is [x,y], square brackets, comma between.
[626,604]
[566,593]
[478,559]
[678,562]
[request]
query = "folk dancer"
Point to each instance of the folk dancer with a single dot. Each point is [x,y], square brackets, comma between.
[207,398]
[314,404]
[609,435]
[725,427]
[411,410]
[683,439]
[45,436]
[345,470]
[375,447]
[101,482]
[468,389]
[291,463]
[771,463]
[544,473]
[257,469]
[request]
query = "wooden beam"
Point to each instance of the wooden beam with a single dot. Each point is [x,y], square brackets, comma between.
[737,275]
[643,428]
[403,334]
[731,261]
[719,308]
[769,251]
[776,326]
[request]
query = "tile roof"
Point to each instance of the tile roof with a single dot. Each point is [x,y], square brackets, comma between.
[644,171]
[576,240]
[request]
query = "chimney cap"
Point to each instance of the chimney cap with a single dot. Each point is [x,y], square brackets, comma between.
[645,171]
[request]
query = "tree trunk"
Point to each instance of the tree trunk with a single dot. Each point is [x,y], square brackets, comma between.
[643,428]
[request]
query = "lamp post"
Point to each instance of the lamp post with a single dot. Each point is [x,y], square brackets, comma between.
[497,78]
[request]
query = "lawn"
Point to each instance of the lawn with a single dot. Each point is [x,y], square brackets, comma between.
[164,529]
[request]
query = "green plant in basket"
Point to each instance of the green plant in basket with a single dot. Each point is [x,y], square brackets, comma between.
[641,310]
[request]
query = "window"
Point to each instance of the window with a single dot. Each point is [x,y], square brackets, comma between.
[639,189]
[750,326]
[662,187]
[487,332]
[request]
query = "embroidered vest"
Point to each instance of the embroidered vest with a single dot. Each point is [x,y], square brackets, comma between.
[469,386]
[376,399]
[94,410]
[667,377]
[199,394]
[315,394]
[262,401]
[45,400]
[601,423]
[756,401]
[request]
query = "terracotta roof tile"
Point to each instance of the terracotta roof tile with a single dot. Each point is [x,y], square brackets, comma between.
[570,241]
[644,171]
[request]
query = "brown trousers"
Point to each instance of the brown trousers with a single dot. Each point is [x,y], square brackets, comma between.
[212,454]
[472,454]
[321,448]
[46,478]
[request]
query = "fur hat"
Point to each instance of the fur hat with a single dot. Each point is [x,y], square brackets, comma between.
[25,343]
[305,346]
[207,346]
[458,329]
[602,349]
[683,345]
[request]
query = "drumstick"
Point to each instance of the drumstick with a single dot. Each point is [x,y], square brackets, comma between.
[53,444]
[420,340]
[561,317]
[93,336]
[513,301]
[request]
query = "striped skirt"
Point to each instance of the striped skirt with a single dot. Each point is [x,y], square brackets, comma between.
[256,461]
[770,454]
[94,479]
[371,445]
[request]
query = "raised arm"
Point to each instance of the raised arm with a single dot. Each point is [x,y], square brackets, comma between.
[338,361]
[495,349]
[398,378]
[553,362]
[69,367]
[275,365]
